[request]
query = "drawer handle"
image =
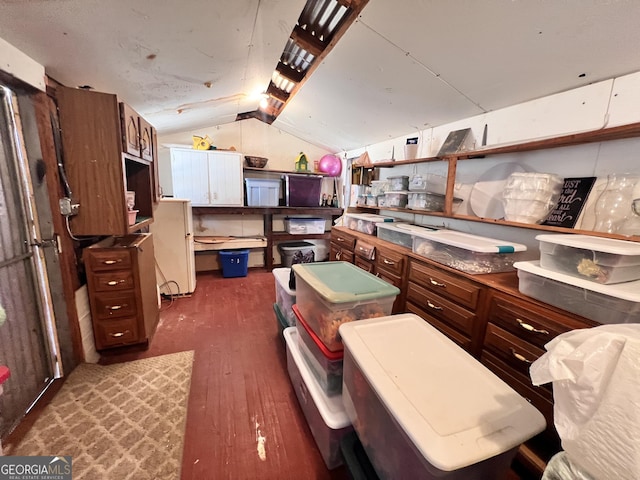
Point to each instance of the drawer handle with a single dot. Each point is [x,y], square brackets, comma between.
[431,305]
[340,239]
[437,284]
[110,262]
[338,255]
[531,328]
[119,334]
[116,307]
[388,262]
[114,282]
[519,357]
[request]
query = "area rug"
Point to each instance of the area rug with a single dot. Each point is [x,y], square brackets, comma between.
[122,421]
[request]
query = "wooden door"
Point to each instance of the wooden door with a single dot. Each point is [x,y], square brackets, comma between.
[130,130]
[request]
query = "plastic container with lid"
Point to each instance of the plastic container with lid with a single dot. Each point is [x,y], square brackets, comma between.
[400,233]
[304,226]
[466,252]
[329,294]
[397,199]
[433,202]
[424,408]
[325,365]
[325,415]
[285,297]
[599,259]
[364,222]
[398,183]
[617,303]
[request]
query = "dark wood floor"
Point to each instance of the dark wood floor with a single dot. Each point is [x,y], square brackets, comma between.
[239,380]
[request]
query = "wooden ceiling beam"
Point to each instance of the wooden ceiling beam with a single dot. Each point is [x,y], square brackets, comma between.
[289,73]
[309,42]
[276,93]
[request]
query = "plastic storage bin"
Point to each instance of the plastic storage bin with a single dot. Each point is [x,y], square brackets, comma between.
[355,458]
[303,190]
[285,297]
[396,199]
[304,226]
[325,415]
[364,222]
[289,249]
[400,233]
[468,253]
[262,192]
[398,183]
[424,408]
[617,303]
[325,365]
[282,322]
[432,202]
[235,263]
[602,260]
[332,293]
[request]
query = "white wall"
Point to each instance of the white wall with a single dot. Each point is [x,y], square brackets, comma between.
[21,66]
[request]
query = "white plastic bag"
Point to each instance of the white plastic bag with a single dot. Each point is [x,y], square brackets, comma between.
[596,389]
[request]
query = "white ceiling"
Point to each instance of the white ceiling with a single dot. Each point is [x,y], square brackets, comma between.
[402,67]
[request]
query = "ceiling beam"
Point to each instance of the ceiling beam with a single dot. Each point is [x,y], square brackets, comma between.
[289,73]
[276,93]
[306,40]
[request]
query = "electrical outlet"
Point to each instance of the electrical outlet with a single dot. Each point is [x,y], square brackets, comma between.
[67,207]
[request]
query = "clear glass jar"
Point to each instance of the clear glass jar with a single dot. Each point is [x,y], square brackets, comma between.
[613,206]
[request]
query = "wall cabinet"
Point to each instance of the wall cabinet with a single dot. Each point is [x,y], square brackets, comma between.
[99,164]
[122,290]
[207,177]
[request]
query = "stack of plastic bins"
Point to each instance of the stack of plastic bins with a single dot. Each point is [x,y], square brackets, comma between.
[285,297]
[325,415]
[424,408]
[325,365]
[330,294]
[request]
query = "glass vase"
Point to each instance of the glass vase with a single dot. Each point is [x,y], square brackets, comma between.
[613,206]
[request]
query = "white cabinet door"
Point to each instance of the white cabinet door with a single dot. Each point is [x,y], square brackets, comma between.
[190,175]
[225,178]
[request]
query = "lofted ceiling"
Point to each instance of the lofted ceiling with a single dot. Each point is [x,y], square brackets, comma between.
[400,67]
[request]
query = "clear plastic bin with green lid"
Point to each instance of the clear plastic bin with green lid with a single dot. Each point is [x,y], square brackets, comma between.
[329,294]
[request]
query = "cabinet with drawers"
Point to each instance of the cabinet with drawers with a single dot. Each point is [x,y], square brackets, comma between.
[122,290]
[341,246]
[516,331]
[448,302]
[389,266]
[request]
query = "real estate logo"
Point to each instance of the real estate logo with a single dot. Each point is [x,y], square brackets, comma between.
[35,468]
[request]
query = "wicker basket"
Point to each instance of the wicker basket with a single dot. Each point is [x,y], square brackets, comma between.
[256,162]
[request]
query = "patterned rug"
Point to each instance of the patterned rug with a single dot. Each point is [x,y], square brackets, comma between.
[122,421]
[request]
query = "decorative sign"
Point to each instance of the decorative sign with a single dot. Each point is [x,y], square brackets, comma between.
[572,200]
[457,141]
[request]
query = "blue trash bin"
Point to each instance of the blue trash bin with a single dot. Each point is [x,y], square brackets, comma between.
[235,263]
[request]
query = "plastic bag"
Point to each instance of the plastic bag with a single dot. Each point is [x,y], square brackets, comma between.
[596,389]
[561,468]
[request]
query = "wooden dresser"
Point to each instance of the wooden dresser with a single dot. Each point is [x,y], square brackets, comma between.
[122,287]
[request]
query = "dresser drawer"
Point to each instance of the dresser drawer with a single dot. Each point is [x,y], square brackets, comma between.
[115,332]
[528,321]
[115,305]
[461,339]
[446,311]
[110,281]
[364,250]
[455,288]
[343,240]
[341,255]
[513,351]
[364,264]
[108,259]
[390,261]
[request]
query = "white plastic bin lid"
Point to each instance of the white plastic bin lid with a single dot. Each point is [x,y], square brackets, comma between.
[331,408]
[454,410]
[370,217]
[599,244]
[629,291]
[282,277]
[405,228]
[475,243]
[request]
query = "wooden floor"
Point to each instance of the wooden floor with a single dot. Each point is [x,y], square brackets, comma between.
[239,384]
